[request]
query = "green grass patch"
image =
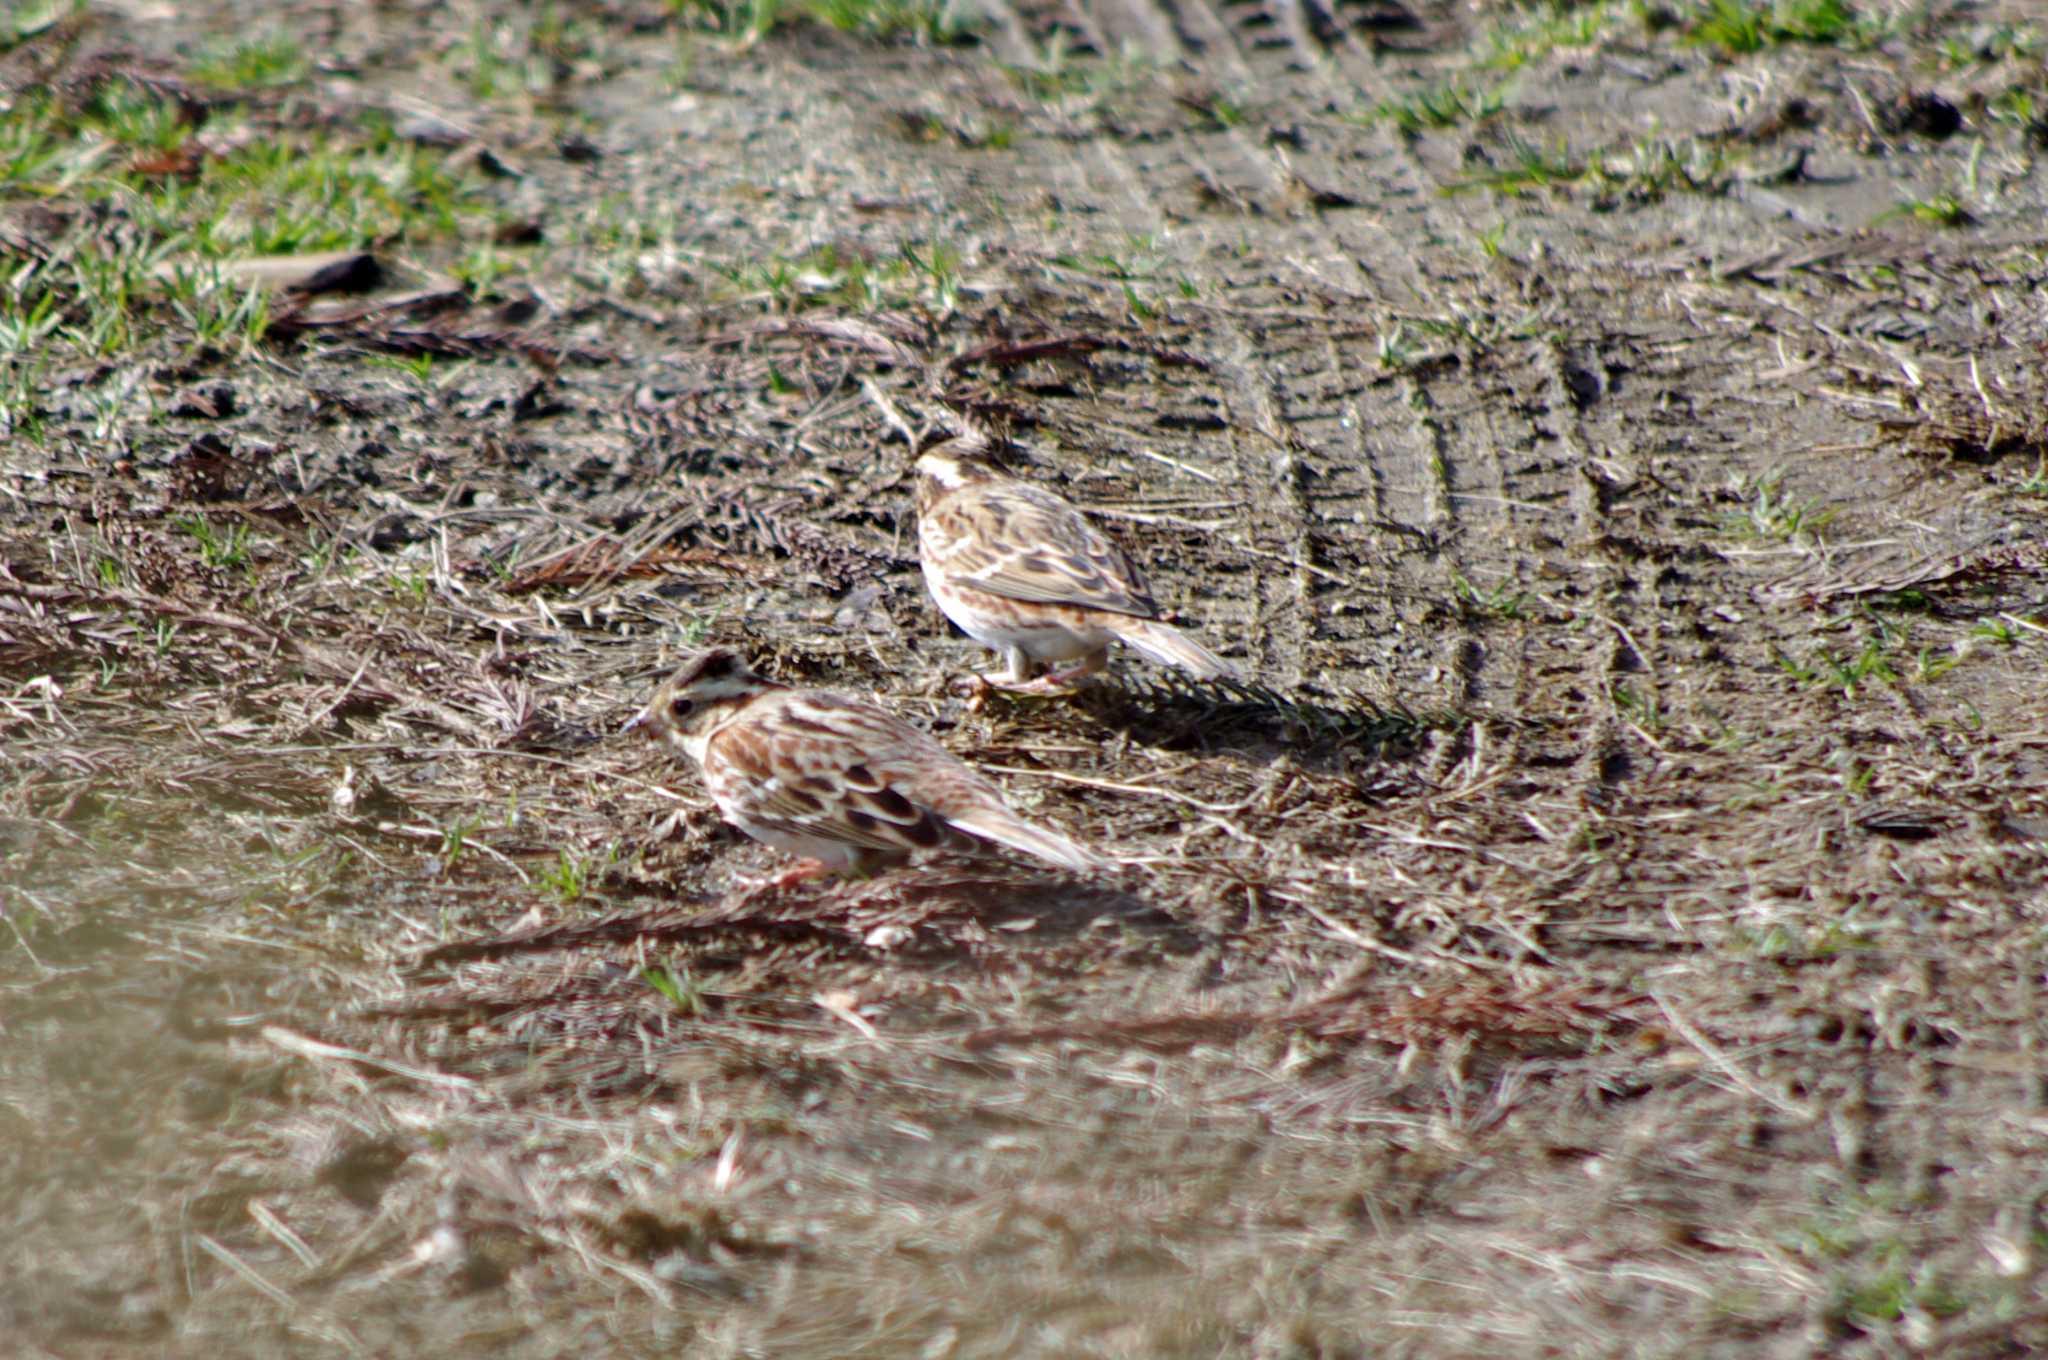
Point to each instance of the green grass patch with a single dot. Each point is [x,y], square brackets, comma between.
[163,202]
[275,191]
[219,547]
[1654,168]
[1502,601]
[1988,44]
[2019,107]
[1739,27]
[1525,167]
[918,275]
[528,53]
[1647,170]
[1823,668]
[1141,263]
[1637,707]
[265,63]
[1059,75]
[935,22]
[1444,106]
[1795,943]
[24,19]
[675,982]
[1768,513]
[1943,209]
[1141,260]
[1515,45]
[572,876]
[1476,331]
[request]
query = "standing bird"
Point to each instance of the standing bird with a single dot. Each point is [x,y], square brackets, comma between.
[835,781]
[1024,572]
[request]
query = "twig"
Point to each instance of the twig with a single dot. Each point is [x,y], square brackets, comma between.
[836,1005]
[1722,1061]
[316,719]
[1112,786]
[429,833]
[890,415]
[2001,1335]
[243,1269]
[1191,470]
[1367,942]
[279,1229]
[307,1047]
[1310,567]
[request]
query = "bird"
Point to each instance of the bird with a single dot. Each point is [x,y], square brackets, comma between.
[839,783]
[1023,572]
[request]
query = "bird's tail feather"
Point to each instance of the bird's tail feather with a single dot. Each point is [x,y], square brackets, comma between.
[1166,644]
[1021,836]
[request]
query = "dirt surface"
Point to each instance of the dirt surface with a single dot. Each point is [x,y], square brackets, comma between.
[1612,921]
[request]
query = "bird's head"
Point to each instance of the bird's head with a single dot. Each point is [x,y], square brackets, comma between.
[705,690]
[949,466]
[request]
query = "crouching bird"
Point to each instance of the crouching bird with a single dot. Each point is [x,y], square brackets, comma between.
[837,782]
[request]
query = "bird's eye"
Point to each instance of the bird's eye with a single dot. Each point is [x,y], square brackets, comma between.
[681,707]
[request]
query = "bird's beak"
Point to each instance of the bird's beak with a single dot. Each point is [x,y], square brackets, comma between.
[638,720]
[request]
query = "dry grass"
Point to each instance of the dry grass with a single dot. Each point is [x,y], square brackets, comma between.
[1611,923]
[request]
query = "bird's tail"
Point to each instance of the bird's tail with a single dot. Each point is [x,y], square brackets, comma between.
[1169,646]
[1017,834]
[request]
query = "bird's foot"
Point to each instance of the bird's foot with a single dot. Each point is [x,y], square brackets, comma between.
[1052,682]
[978,688]
[1072,676]
[803,871]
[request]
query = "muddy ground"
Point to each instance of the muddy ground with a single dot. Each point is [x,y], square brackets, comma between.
[1612,922]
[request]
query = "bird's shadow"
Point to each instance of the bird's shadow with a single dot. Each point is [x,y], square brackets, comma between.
[921,908]
[945,901]
[1171,710]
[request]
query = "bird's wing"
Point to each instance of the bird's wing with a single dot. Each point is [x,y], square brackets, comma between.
[1025,543]
[820,765]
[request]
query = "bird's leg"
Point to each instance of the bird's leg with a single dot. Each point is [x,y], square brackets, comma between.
[803,871]
[1016,669]
[1044,684]
[1014,678]
[1018,679]
[1082,669]
[1061,681]
[868,862]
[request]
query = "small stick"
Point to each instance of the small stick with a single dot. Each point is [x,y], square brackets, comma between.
[1725,1063]
[243,1269]
[306,1047]
[892,416]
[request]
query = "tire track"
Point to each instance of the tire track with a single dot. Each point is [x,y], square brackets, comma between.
[1342,462]
[1398,454]
[1604,759]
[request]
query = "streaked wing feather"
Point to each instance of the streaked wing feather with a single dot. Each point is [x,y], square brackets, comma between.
[1036,548]
[831,768]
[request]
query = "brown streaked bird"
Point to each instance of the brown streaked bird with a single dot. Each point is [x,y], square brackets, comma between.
[1023,572]
[839,783]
